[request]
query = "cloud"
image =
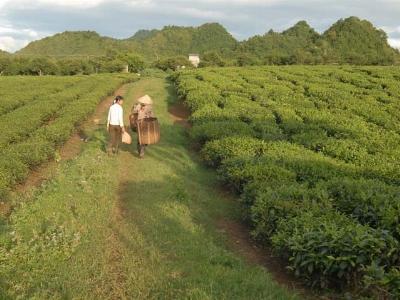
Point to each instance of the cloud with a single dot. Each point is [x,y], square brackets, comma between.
[11,44]
[29,33]
[391,29]
[395,43]
[22,20]
[79,4]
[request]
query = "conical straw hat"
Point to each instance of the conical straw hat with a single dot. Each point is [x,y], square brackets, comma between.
[145,100]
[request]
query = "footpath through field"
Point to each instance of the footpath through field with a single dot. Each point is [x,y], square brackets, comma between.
[125,228]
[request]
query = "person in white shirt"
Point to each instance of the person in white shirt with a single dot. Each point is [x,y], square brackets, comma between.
[115,124]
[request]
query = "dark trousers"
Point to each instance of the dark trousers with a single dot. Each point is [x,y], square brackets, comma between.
[116,136]
[141,149]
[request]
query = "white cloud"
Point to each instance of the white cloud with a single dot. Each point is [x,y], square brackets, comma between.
[6,30]
[78,4]
[239,2]
[73,3]
[200,13]
[12,38]
[10,44]
[395,43]
[391,29]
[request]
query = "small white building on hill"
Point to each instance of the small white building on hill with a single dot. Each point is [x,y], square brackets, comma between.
[194,59]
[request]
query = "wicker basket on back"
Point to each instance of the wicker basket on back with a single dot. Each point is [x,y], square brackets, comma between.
[133,121]
[148,131]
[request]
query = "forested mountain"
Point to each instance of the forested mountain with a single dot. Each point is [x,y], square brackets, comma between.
[349,40]
[143,34]
[357,41]
[151,44]
[175,40]
[71,43]
[298,44]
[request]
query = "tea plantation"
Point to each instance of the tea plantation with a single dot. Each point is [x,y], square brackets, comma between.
[314,153]
[38,114]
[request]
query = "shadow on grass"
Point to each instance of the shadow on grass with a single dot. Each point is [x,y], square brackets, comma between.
[175,215]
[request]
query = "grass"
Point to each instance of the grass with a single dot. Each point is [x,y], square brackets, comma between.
[121,227]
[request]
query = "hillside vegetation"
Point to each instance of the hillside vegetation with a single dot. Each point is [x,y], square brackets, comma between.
[78,43]
[350,40]
[151,44]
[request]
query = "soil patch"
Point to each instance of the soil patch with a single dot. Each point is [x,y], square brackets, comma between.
[180,114]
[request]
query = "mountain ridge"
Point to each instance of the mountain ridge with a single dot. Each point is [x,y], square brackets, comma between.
[349,40]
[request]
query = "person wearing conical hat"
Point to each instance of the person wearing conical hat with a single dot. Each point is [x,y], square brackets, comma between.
[144,110]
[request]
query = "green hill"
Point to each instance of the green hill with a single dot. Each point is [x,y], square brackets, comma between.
[175,40]
[143,34]
[295,45]
[152,44]
[71,43]
[358,42]
[350,40]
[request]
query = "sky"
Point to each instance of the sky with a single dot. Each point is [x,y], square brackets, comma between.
[22,21]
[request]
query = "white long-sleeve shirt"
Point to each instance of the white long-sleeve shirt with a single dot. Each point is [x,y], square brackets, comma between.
[116,115]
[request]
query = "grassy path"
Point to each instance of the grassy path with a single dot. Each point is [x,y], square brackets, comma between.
[125,228]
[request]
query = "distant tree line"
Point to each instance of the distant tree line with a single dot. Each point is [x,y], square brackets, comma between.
[73,65]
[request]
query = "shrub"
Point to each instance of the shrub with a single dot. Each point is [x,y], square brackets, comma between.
[371,202]
[240,171]
[215,130]
[210,113]
[328,248]
[198,98]
[274,202]
[216,151]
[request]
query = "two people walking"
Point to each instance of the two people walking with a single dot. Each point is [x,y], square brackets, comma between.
[115,123]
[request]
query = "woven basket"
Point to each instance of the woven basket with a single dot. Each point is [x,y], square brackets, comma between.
[133,121]
[148,131]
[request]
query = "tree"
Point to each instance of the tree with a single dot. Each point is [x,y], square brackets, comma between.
[42,66]
[135,62]
[70,66]
[212,59]
[172,63]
